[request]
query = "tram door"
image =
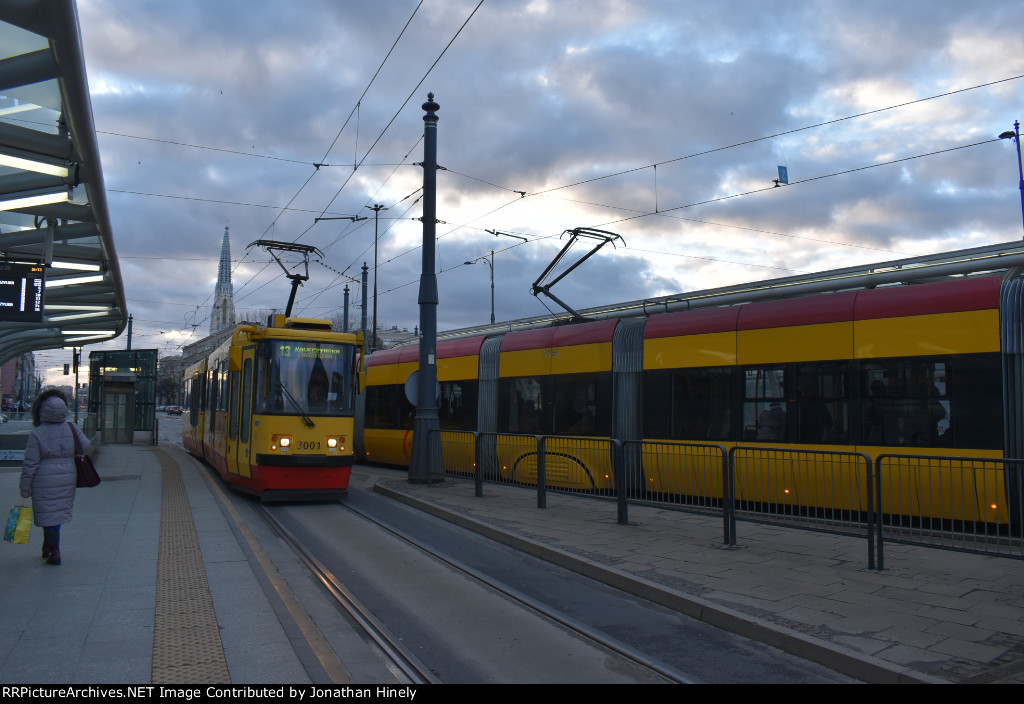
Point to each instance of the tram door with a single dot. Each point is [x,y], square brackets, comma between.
[240,417]
[118,407]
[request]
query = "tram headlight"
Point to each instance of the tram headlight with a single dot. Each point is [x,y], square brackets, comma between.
[280,441]
[336,442]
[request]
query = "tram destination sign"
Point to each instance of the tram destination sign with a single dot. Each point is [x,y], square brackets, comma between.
[21,292]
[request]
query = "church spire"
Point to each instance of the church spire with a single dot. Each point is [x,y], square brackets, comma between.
[223,315]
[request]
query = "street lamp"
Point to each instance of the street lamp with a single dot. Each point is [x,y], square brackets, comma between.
[1014,134]
[491,265]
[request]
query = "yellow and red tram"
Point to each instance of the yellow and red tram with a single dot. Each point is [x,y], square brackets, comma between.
[387,431]
[913,369]
[272,408]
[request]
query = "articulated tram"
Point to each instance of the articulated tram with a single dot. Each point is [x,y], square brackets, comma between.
[922,369]
[272,408]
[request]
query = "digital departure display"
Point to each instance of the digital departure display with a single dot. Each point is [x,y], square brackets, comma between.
[21,292]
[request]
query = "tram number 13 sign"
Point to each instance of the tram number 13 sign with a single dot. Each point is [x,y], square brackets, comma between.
[21,292]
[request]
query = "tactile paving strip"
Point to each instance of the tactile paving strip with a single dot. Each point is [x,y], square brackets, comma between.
[186,638]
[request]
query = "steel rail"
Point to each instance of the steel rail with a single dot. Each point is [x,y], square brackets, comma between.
[567,622]
[406,664]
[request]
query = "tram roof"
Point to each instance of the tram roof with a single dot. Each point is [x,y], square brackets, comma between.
[869,279]
[53,202]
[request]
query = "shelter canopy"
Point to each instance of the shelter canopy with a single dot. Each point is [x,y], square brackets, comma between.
[53,204]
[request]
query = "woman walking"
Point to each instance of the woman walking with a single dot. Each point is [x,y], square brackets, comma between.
[48,474]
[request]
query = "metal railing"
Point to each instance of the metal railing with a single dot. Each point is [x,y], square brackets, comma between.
[691,476]
[817,488]
[972,504]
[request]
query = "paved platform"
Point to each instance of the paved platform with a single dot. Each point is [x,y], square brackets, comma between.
[160,584]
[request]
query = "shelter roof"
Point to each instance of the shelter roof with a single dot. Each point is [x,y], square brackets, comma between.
[53,202]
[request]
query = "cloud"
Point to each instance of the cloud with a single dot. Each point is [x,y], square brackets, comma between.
[573,103]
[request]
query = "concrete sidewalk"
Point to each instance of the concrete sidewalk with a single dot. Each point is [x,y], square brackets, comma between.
[157,586]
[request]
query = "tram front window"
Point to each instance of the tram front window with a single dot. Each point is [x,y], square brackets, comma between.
[305,377]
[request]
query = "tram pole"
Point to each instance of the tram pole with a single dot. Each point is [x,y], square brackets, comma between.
[344,314]
[363,322]
[423,467]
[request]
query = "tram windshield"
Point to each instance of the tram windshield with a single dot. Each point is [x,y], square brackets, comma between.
[299,377]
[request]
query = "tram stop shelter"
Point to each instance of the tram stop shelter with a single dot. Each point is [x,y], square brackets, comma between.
[122,396]
[53,204]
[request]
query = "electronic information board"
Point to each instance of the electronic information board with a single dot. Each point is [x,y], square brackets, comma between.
[21,292]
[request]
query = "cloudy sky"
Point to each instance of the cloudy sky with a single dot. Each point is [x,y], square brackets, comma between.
[661,121]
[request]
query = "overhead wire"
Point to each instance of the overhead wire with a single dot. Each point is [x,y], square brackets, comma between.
[660,212]
[783,133]
[384,131]
[804,181]
[402,107]
[723,198]
[406,101]
[327,153]
[657,211]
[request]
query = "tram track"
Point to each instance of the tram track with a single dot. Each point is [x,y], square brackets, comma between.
[406,664]
[562,619]
[475,611]
[372,593]
[400,661]
[504,646]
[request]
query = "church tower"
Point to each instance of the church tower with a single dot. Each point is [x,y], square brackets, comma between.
[223,315]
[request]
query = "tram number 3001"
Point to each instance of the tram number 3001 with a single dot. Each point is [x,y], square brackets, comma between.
[307,445]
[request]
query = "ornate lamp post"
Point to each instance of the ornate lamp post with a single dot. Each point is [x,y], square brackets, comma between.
[424,466]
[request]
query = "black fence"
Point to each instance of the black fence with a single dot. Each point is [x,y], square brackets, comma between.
[959,503]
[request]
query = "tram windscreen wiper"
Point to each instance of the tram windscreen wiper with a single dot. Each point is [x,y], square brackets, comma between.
[305,419]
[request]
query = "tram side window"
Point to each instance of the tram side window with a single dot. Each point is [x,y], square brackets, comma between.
[905,402]
[764,404]
[343,388]
[945,402]
[379,411]
[268,398]
[688,404]
[521,405]
[582,404]
[820,403]
[457,406]
[387,408]
[975,417]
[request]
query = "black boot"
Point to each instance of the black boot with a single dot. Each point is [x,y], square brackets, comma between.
[54,558]
[48,538]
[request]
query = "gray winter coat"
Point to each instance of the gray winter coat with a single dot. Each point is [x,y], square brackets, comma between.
[48,474]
